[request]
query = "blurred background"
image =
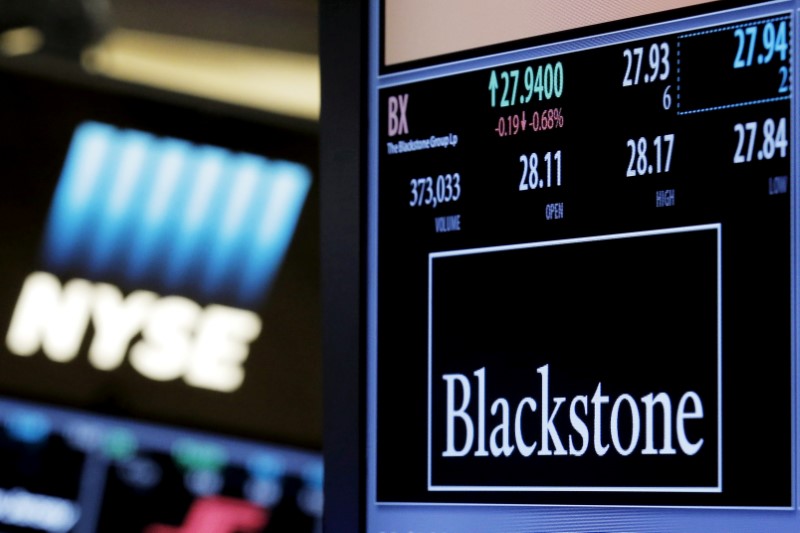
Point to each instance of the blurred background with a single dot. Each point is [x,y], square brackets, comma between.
[257,53]
[160,360]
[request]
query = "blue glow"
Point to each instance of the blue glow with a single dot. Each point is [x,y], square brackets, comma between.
[118,203]
[172,161]
[72,205]
[266,467]
[314,475]
[193,231]
[242,207]
[273,231]
[173,216]
[28,427]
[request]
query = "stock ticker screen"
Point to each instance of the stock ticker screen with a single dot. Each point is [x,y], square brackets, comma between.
[582,272]
[159,358]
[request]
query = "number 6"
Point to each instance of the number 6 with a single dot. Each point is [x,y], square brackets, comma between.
[666,100]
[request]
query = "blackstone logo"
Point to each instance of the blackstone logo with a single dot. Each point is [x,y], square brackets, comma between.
[176,224]
[584,365]
[487,434]
[529,428]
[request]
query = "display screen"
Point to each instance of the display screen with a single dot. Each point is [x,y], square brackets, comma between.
[160,365]
[581,255]
[65,470]
[160,260]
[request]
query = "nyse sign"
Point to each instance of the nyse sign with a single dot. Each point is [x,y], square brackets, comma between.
[165,338]
[194,234]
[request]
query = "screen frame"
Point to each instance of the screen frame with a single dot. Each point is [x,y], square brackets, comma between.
[343,136]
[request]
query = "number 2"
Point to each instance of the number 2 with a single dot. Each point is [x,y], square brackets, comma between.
[530,172]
